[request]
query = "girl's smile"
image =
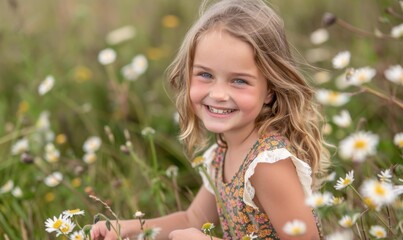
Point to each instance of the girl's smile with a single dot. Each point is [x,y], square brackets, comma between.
[227,89]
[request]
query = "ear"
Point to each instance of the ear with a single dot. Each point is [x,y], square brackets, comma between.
[269,97]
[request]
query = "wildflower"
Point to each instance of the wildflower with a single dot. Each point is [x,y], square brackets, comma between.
[249,236]
[150,233]
[92,144]
[49,197]
[172,171]
[20,146]
[197,161]
[89,157]
[8,186]
[120,35]
[319,36]
[53,179]
[377,231]
[343,119]
[207,227]
[394,74]
[361,76]
[140,64]
[294,228]
[332,98]
[43,122]
[397,31]
[380,193]
[170,21]
[342,235]
[139,214]
[60,225]
[358,146]
[129,73]
[147,131]
[344,182]
[331,177]
[398,139]
[73,212]
[385,176]
[46,85]
[82,74]
[77,235]
[370,204]
[318,199]
[336,200]
[317,54]
[107,56]
[341,60]
[61,138]
[51,153]
[321,77]
[17,192]
[347,221]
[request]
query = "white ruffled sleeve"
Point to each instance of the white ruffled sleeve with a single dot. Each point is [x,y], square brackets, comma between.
[208,156]
[303,170]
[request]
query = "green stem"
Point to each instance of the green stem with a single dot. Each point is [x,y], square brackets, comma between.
[153,153]
[220,202]
[383,96]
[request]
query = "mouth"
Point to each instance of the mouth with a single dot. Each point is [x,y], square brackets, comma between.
[219,110]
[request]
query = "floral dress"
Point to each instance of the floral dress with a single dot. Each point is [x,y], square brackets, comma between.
[237,194]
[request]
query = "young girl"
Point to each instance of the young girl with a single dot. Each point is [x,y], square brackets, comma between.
[234,76]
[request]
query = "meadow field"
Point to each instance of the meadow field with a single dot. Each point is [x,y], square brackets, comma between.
[85,110]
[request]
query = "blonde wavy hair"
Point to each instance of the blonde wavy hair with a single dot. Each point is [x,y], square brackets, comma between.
[291,112]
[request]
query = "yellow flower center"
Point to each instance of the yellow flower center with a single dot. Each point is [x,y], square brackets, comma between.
[346,181]
[65,228]
[78,237]
[333,96]
[369,203]
[170,21]
[360,144]
[319,201]
[57,224]
[348,223]
[296,231]
[379,233]
[379,189]
[74,211]
[400,143]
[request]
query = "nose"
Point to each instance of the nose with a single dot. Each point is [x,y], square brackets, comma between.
[219,92]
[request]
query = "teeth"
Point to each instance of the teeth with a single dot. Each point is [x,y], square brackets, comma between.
[220,111]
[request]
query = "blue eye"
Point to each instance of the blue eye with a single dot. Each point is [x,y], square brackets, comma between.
[240,81]
[205,75]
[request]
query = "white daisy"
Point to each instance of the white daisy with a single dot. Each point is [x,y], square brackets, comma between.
[361,76]
[77,235]
[7,187]
[139,214]
[342,235]
[60,225]
[295,228]
[397,31]
[129,73]
[20,146]
[17,192]
[319,36]
[140,64]
[341,60]
[385,176]
[46,85]
[120,35]
[395,74]
[250,236]
[43,122]
[52,155]
[348,221]
[321,77]
[332,98]
[336,200]
[53,179]
[172,171]
[343,119]
[73,212]
[150,233]
[378,231]
[331,177]
[379,193]
[147,131]
[358,146]
[344,182]
[318,199]
[89,158]
[66,228]
[398,139]
[92,144]
[107,56]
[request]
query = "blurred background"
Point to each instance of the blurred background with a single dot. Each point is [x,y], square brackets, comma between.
[62,40]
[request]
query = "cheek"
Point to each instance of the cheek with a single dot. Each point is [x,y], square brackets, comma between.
[196,92]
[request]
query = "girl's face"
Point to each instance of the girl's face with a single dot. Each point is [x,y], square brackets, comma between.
[227,89]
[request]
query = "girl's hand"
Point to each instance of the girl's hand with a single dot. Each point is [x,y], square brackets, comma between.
[188,233]
[99,231]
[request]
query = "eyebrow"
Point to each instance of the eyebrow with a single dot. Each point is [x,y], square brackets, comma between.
[242,74]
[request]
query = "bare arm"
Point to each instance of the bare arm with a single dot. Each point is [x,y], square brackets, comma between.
[280,194]
[201,210]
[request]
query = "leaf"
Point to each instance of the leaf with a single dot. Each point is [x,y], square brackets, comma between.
[108,225]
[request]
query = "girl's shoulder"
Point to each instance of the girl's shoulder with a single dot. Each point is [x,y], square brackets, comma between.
[272,141]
